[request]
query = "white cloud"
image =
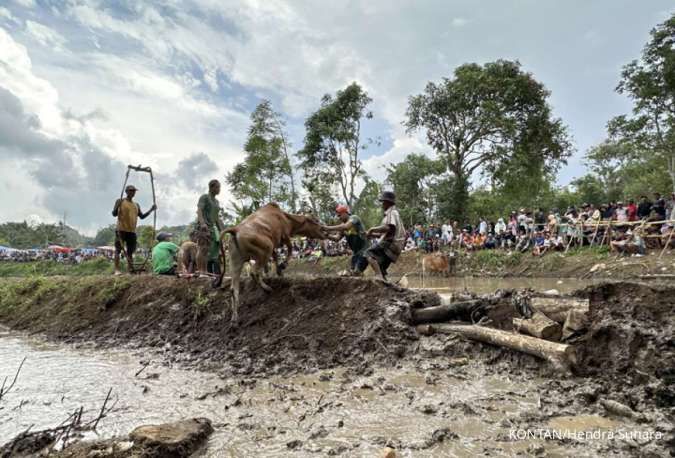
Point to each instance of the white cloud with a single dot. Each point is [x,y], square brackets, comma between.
[44,35]
[25,3]
[459,22]
[7,15]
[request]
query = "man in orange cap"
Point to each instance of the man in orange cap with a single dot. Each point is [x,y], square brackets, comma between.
[352,229]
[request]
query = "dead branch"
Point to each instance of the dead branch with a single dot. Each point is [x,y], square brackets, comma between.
[3,390]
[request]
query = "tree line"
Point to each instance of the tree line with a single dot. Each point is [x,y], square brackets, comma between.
[494,142]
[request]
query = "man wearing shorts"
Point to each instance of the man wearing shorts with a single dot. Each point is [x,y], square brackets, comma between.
[391,237]
[127,212]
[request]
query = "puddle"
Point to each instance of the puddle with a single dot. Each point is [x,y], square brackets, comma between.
[328,412]
[483,285]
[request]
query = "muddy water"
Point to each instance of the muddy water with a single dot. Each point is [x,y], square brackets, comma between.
[310,415]
[488,284]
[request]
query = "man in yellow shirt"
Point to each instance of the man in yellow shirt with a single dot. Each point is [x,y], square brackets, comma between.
[127,212]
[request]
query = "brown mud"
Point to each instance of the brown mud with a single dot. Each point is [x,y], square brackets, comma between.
[360,325]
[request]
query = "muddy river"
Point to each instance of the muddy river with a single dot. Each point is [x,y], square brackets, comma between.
[453,408]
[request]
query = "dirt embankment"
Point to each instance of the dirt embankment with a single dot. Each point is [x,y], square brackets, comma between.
[323,322]
[627,354]
[582,263]
[304,325]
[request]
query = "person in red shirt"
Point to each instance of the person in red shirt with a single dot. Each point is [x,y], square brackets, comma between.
[631,209]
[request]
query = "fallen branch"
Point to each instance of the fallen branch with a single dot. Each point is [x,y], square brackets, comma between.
[3,390]
[30,443]
[461,310]
[561,355]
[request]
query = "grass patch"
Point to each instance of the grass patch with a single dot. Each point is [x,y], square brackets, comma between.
[50,268]
[494,259]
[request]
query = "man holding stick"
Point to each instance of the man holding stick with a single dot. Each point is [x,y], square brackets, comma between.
[127,212]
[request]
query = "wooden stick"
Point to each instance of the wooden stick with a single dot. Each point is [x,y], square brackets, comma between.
[3,390]
[100,415]
[670,237]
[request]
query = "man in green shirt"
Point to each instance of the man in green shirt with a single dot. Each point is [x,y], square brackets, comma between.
[352,228]
[210,225]
[164,255]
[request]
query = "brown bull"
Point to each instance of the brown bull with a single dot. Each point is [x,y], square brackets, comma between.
[256,238]
[438,263]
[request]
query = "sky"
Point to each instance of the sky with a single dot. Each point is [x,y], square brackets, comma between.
[89,86]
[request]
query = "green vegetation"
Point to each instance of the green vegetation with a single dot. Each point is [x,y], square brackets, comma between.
[24,236]
[50,268]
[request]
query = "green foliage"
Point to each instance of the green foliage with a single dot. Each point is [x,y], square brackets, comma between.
[266,174]
[24,236]
[415,181]
[105,236]
[367,207]
[650,83]
[330,156]
[492,118]
[146,237]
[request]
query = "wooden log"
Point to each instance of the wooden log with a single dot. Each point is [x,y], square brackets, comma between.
[560,355]
[556,308]
[539,325]
[457,310]
[576,321]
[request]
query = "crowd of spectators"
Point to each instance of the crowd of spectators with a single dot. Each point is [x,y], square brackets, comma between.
[76,256]
[625,227]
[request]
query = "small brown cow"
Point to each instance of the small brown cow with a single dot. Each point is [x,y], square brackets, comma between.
[256,238]
[439,263]
[187,257]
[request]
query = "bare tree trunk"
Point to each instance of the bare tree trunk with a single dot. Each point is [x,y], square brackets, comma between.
[560,355]
[556,308]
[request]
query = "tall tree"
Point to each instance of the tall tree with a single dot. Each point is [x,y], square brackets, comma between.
[266,174]
[650,83]
[485,117]
[414,181]
[333,142]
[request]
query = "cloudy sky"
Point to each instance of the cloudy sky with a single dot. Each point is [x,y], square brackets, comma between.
[88,86]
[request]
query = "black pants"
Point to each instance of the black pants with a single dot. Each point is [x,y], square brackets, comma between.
[377,252]
[125,240]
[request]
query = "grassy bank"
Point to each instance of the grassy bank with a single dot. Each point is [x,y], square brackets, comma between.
[51,268]
[595,262]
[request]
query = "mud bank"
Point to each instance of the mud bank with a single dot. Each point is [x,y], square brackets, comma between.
[303,325]
[360,326]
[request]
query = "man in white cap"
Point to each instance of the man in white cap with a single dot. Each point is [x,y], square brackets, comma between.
[127,212]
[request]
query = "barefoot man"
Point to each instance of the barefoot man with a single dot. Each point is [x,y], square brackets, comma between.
[127,212]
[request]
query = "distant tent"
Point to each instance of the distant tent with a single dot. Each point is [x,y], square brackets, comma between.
[6,249]
[59,249]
